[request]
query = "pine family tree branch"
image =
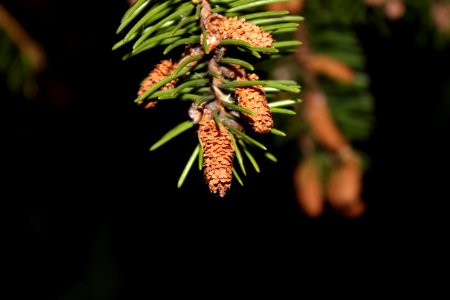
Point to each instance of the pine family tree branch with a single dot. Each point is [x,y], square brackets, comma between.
[221,41]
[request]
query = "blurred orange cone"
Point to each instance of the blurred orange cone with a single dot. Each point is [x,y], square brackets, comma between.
[308,187]
[322,124]
[344,186]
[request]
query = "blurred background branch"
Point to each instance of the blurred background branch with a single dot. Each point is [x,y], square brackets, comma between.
[21,57]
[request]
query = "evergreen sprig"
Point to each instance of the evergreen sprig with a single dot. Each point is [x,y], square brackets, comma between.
[209,52]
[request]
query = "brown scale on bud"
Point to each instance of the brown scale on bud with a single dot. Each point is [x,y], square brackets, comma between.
[308,187]
[239,29]
[161,71]
[344,184]
[219,27]
[218,154]
[254,99]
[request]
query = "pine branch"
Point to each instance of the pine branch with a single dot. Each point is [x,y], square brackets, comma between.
[222,42]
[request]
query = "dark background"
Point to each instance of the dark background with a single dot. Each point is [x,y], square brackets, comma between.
[89,213]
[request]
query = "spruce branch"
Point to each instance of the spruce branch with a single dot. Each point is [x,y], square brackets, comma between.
[223,41]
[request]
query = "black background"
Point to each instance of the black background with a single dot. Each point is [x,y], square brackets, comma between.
[89,213]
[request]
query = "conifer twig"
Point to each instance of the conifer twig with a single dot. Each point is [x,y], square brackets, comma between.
[228,96]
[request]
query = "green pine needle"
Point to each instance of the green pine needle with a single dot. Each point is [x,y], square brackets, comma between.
[163,94]
[236,107]
[163,39]
[152,15]
[132,9]
[236,175]
[188,166]
[197,75]
[232,42]
[214,74]
[284,44]
[132,13]
[255,53]
[180,128]
[284,30]
[183,9]
[120,44]
[167,96]
[222,1]
[200,158]
[179,71]
[242,63]
[277,110]
[185,21]
[271,157]
[249,156]
[245,137]
[277,132]
[264,49]
[280,26]
[265,21]
[204,99]
[192,83]
[281,103]
[245,4]
[238,154]
[265,14]
[155,87]
[192,97]
[266,83]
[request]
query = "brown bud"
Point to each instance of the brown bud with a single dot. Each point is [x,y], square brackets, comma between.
[308,187]
[239,29]
[254,99]
[219,27]
[218,154]
[321,121]
[161,71]
[344,184]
